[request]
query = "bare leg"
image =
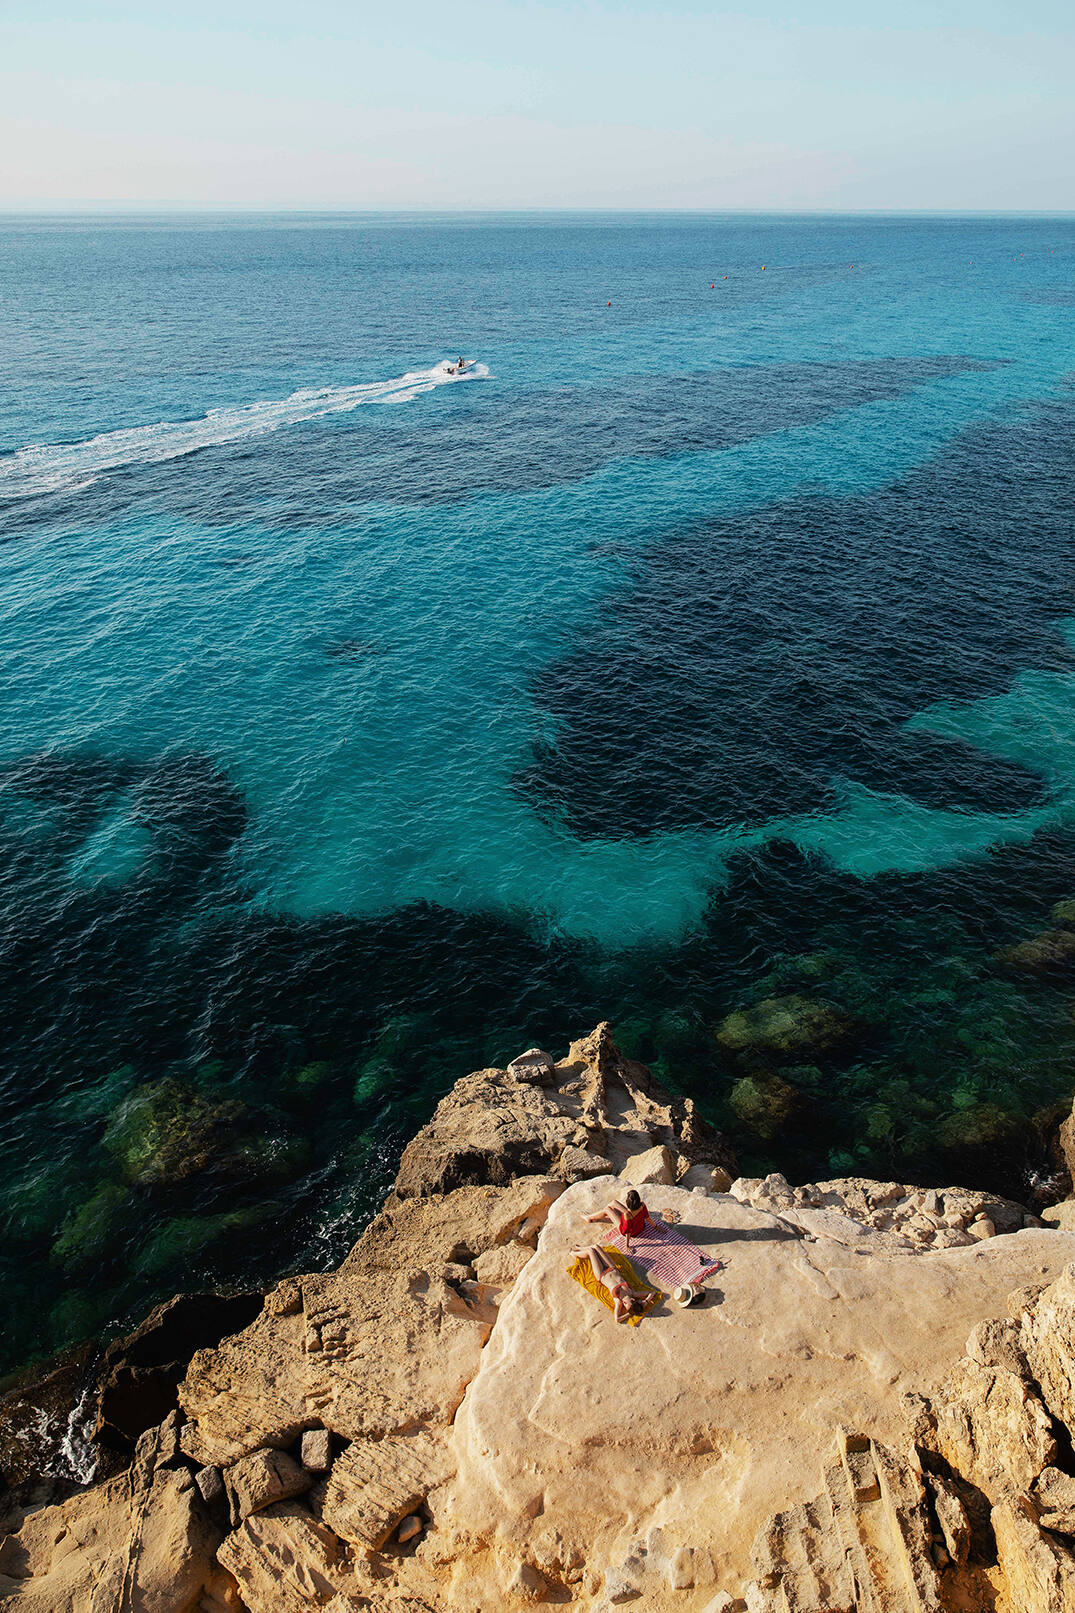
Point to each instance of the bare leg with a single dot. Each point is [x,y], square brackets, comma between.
[611,1213]
[600,1263]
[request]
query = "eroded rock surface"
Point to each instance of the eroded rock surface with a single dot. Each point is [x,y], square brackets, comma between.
[872,1411]
[499,1124]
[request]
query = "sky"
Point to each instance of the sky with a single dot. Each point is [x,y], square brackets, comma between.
[473,105]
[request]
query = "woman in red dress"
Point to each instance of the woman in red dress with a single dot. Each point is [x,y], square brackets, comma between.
[629,1217]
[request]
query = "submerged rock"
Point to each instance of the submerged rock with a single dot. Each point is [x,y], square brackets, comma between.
[1050,952]
[764,1103]
[89,1234]
[170,1131]
[785,1026]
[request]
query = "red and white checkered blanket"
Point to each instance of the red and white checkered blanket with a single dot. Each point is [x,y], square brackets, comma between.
[666,1257]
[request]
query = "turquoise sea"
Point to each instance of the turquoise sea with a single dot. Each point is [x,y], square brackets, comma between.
[710,640]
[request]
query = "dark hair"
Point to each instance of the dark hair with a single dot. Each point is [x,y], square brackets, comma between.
[632,1201]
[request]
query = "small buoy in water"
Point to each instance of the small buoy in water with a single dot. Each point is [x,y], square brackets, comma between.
[763,268]
[610,305]
[712,285]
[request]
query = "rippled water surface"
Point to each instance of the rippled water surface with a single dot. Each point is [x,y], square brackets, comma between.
[711,641]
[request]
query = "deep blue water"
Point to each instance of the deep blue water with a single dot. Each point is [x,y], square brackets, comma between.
[362,724]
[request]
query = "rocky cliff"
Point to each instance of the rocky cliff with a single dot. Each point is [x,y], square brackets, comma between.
[872,1410]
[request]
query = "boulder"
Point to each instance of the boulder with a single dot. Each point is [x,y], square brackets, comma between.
[952,1516]
[1038,1567]
[656,1165]
[261,1479]
[1060,1215]
[1047,1334]
[576,1163]
[375,1484]
[285,1561]
[711,1178]
[499,1267]
[533,1065]
[317,1450]
[1055,1497]
[991,1427]
[210,1482]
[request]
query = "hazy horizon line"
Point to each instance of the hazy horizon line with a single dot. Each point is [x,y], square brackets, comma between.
[105,208]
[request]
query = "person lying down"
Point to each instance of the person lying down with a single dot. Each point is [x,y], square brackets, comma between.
[625,1299]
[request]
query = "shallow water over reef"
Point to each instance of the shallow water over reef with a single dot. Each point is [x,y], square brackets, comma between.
[706,666]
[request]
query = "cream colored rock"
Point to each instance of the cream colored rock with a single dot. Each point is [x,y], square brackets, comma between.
[284,1561]
[362,1359]
[375,1484]
[711,1178]
[865,1543]
[533,1065]
[1061,1215]
[887,1206]
[579,1437]
[654,1166]
[1038,1568]
[1054,1494]
[574,1163]
[261,1479]
[1047,1334]
[143,1540]
[427,1233]
[992,1429]
[953,1519]
[500,1267]
[317,1450]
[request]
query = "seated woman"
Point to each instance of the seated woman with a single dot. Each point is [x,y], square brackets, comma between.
[625,1299]
[629,1217]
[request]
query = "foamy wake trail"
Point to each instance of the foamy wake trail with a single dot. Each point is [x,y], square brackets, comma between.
[59,467]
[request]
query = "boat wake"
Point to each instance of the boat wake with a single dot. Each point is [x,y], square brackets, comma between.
[69,467]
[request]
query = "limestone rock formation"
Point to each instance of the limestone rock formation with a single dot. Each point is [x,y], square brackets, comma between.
[888,1215]
[872,1412]
[142,1540]
[645,1450]
[499,1124]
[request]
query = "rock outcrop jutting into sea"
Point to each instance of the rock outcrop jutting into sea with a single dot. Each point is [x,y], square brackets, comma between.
[873,1409]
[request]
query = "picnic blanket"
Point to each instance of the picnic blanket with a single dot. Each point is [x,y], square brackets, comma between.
[581,1270]
[666,1256]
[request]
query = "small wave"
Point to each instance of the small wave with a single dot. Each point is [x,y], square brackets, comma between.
[70,467]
